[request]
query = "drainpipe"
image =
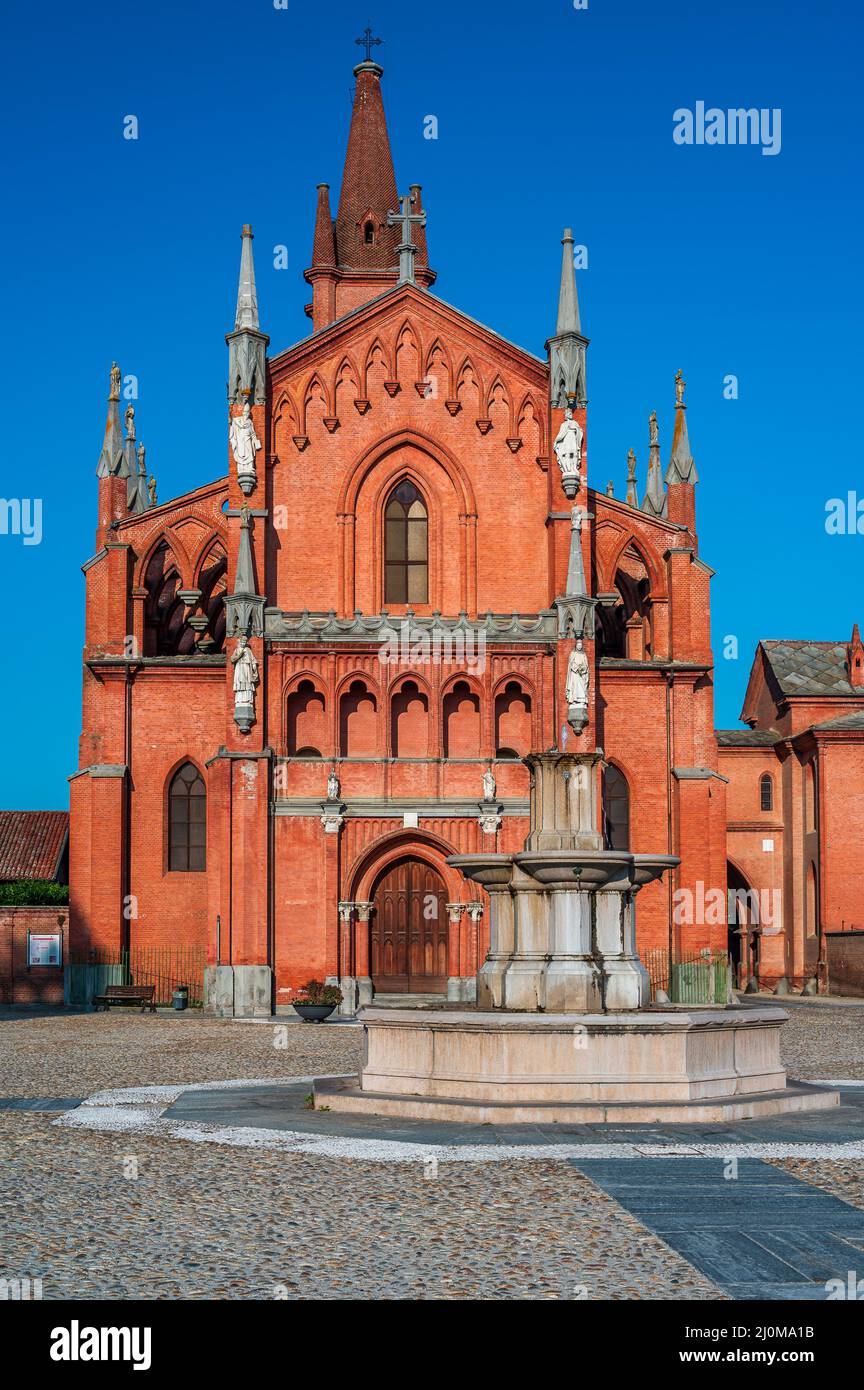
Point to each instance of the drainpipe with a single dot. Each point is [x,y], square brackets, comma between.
[669,826]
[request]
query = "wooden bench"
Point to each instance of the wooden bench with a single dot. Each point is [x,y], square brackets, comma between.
[128,994]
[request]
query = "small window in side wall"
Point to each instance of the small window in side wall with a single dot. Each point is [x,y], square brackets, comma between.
[766,793]
[369,233]
[187,821]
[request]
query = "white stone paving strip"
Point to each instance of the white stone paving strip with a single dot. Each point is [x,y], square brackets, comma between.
[142,1108]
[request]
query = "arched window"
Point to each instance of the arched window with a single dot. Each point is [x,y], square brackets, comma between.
[616,809]
[766,793]
[406,547]
[369,233]
[187,821]
[810,796]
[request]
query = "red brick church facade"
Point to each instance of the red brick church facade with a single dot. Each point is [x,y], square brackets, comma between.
[401,557]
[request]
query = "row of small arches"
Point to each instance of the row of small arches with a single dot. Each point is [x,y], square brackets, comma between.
[405,721]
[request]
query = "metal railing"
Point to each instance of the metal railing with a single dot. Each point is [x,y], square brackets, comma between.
[695,977]
[88,973]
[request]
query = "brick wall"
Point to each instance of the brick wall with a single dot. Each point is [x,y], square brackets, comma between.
[35,984]
[845,955]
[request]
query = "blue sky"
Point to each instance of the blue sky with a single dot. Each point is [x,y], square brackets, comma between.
[716,259]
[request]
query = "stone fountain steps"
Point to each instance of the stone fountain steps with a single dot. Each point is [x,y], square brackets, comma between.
[344,1094]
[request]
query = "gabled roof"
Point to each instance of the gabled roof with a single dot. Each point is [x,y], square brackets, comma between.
[747,738]
[420,297]
[810,668]
[32,843]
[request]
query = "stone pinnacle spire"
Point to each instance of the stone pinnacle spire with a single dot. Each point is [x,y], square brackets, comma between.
[567,349]
[568,300]
[682,468]
[654,501]
[632,488]
[112,460]
[247,299]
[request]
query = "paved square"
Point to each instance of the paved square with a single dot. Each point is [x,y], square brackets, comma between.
[241,1192]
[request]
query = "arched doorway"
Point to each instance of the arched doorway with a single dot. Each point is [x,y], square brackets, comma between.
[743,926]
[408,938]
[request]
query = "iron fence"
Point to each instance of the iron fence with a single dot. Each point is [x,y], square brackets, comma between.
[697,977]
[90,972]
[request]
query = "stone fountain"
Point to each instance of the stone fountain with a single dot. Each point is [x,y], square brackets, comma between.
[563,1029]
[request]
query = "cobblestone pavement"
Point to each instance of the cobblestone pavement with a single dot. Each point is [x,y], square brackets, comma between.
[822,1041]
[209,1221]
[76,1054]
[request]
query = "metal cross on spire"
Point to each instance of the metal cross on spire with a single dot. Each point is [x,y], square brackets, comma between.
[407,250]
[368,43]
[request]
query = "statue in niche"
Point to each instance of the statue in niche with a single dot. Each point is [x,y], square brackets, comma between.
[578,676]
[332,787]
[489,790]
[244,442]
[568,445]
[245,675]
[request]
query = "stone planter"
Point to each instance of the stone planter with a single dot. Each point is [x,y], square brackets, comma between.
[314,1013]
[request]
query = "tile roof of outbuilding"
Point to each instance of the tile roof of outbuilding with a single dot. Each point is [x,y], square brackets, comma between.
[31,843]
[810,668]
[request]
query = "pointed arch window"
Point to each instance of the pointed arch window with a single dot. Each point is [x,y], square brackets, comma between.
[766,792]
[616,809]
[406,547]
[369,234]
[187,821]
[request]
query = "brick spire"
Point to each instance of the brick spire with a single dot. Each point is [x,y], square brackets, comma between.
[323,246]
[356,258]
[363,239]
[856,660]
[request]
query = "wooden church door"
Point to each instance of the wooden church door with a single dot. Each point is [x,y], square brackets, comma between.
[409,931]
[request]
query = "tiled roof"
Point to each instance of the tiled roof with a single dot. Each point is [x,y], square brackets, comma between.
[746,738]
[844,721]
[31,843]
[810,668]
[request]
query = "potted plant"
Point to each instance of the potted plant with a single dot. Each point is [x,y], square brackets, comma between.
[316,1001]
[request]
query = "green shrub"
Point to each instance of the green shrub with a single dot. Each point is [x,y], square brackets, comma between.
[33,892]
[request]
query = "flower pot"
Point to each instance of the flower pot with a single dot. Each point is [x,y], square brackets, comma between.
[314,1013]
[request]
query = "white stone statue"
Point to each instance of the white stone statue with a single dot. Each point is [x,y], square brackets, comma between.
[568,445]
[245,675]
[488,785]
[332,787]
[578,676]
[244,443]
